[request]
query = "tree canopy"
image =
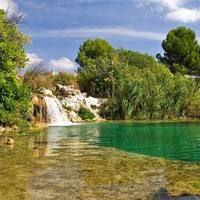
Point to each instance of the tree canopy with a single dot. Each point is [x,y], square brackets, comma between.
[14,97]
[181,51]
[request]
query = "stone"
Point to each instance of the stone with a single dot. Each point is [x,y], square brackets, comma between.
[35,100]
[46,92]
[10,141]
[73,117]
[15,128]
[2,129]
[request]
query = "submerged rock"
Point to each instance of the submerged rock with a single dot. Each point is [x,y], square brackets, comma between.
[2,129]
[10,141]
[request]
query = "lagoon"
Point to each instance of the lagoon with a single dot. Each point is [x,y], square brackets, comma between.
[108,160]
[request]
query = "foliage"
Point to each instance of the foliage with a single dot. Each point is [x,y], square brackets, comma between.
[36,77]
[64,78]
[85,114]
[92,50]
[181,51]
[14,96]
[193,108]
[136,59]
[136,85]
[153,93]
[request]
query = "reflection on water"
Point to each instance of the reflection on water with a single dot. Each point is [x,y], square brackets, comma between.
[86,162]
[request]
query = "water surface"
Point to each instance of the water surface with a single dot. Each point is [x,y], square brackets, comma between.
[105,161]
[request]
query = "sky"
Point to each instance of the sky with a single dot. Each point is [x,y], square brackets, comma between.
[59,27]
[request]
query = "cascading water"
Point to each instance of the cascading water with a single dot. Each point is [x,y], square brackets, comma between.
[55,113]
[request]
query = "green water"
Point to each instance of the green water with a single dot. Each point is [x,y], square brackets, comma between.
[176,141]
[104,161]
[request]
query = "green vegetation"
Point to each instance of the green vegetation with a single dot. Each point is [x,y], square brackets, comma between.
[85,114]
[182,51]
[136,85]
[37,77]
[14,96]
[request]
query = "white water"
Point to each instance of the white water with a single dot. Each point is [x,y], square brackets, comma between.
[55,113]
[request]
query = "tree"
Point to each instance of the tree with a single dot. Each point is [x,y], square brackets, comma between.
[181,51]
[137,59]
[92,50]
[96,59]
[14,96]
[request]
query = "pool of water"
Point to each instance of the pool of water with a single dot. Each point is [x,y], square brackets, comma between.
[102,161]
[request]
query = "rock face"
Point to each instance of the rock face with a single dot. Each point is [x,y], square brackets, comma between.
[39,109]
[45,92]
[72,99]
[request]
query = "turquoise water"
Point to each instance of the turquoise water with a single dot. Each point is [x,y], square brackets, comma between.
[174,141]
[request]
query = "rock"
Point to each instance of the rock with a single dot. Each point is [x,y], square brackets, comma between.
[10,141]
[45,92]
[15,128]
[2,129]
[74,99]
[66,91]
[35,100]
[73,117]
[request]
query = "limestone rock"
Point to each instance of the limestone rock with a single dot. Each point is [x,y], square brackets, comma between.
[45,92]
[66,91]
[73,117]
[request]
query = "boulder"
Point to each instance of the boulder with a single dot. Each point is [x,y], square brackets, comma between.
[45,92]
[66,91]
[15,128]
[10,141]
[2,129]
[35,100]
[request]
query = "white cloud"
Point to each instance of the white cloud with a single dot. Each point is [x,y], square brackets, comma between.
[170,4]
[10,7]
[34,59]
[185,15]
[62,65]
[175,10]
[100,32]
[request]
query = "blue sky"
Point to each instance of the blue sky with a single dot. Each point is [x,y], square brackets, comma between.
[59,27]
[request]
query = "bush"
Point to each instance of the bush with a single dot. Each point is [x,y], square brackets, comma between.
[85,114]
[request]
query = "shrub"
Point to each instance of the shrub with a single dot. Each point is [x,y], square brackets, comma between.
[85,114]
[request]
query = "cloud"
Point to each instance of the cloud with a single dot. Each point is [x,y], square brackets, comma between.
[10,7]
[99,32]
[175,10]
[34,59]
[185,15]
[62,65]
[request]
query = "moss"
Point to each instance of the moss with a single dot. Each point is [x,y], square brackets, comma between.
[85,114]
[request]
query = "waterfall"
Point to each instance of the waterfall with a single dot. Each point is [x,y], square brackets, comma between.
[55,113]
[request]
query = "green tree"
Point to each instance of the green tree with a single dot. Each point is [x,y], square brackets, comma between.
[92,50]
[96,59]
[137,59]
[14,96]
[181,51]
